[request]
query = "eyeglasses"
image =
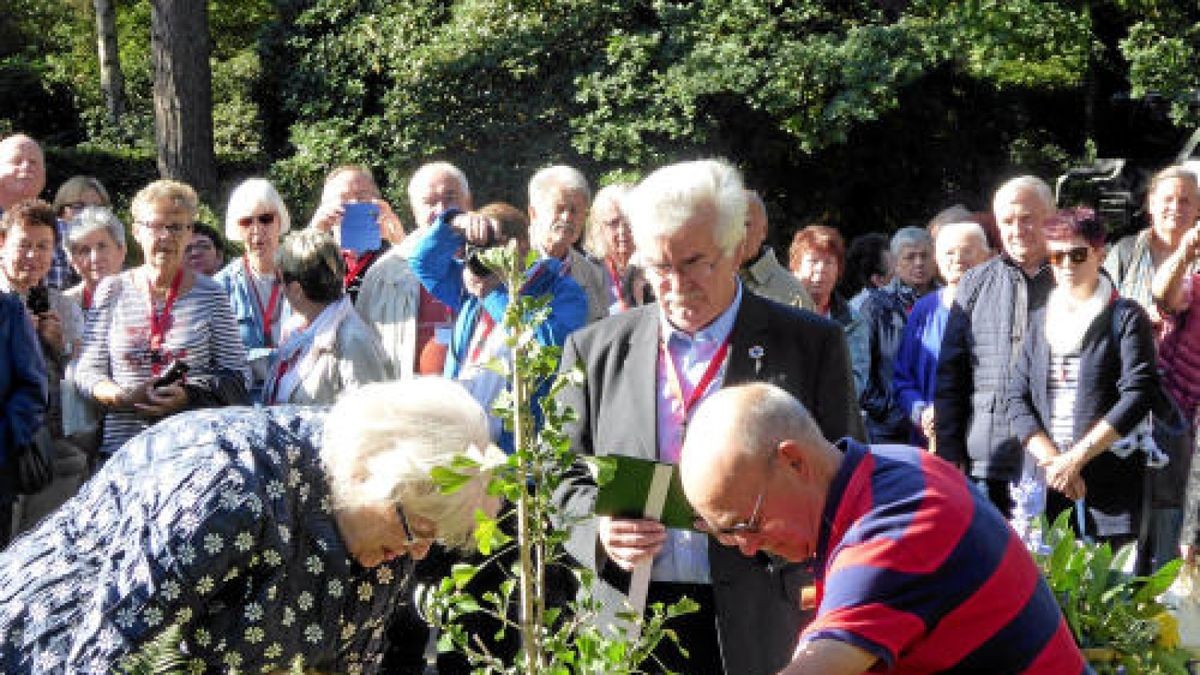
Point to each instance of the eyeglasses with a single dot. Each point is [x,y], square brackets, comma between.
[408,535]
[696,268]
[1077,256]
[173,229]
[263,219]
[412,538]
[751,525]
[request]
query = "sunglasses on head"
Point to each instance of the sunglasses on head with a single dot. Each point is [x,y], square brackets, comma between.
[1077,256]
[262,219]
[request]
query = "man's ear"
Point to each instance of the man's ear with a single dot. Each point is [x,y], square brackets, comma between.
[791,455]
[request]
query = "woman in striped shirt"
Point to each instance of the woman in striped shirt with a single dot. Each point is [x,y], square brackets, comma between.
[146,318]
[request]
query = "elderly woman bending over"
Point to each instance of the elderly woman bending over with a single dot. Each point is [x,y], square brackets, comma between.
[327,348]
[266,534]
[147,318]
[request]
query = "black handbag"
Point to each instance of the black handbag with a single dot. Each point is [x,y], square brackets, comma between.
[33,464]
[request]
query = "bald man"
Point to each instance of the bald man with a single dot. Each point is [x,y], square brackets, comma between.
[23,176]
[760,269]
[916,571]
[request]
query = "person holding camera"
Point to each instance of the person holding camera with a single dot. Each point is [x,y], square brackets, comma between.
[145,319]
[351,195]
[327,348]
[479,298]
[29,231]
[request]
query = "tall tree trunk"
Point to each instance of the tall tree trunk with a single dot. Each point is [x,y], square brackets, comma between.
[183,125]
[112,80]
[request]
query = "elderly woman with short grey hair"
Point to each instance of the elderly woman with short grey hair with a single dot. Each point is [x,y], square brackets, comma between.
[96,245]
[327,348]
[266,535]
[145,320]
[610,240]
[256,217]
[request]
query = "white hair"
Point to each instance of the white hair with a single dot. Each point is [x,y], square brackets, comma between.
[594,240]
[672,195]
[1026,183]
[967,227]
[254,193]
[910,236]
[91,219]
[425,172]
[383,440]
[561,176]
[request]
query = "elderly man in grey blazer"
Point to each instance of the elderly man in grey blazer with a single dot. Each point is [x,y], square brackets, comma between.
[647,369]
[558,208]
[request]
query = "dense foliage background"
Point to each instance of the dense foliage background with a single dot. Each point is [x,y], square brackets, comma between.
[868,115]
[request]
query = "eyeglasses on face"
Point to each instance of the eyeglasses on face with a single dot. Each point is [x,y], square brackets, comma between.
[263,219]
[751,525]
[411,538]
[173,229]
[1077,256]
[696,268]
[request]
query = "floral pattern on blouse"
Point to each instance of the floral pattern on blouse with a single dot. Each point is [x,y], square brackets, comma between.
[218,521]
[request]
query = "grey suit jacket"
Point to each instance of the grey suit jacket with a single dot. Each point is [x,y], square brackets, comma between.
[757,601]
[591,275]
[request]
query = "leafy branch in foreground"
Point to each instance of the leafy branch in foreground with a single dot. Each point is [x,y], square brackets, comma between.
[555,637]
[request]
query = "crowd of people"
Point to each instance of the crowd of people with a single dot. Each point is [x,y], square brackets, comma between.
[170,454]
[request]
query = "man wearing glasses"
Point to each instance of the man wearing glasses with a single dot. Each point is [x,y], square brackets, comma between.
[647,369]
[916,572]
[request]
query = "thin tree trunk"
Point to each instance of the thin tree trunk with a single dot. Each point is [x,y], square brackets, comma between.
[183,93]
[112,80]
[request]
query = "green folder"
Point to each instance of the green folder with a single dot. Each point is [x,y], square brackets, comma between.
[625,485]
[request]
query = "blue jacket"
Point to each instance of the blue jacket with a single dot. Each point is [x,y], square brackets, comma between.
[435,263]
[915,377]
[22,376]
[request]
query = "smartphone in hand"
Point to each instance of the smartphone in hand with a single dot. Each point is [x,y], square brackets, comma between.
[360,227]
[173,374]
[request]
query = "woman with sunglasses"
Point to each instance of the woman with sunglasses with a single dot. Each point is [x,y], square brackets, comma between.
[264,534]
[146,319]
[1086,378]
[256,217]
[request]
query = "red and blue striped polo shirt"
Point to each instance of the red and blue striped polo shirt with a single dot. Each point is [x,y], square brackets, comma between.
[915,566]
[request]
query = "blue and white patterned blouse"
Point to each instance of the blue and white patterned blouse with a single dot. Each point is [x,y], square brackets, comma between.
[218,521]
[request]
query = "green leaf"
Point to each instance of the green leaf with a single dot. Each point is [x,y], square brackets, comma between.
[1157,583]
[603,468]
[462,574]
[447,480]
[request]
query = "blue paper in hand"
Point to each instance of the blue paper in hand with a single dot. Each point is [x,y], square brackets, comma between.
[360,227]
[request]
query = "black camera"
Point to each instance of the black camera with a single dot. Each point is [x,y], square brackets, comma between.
[174,373]
[38,300]
[473,253]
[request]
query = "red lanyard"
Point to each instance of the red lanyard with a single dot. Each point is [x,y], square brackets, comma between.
[161,323]
[87,298]
[616,284]
[674,388]
[268,312]
[356,264]
[284,365]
